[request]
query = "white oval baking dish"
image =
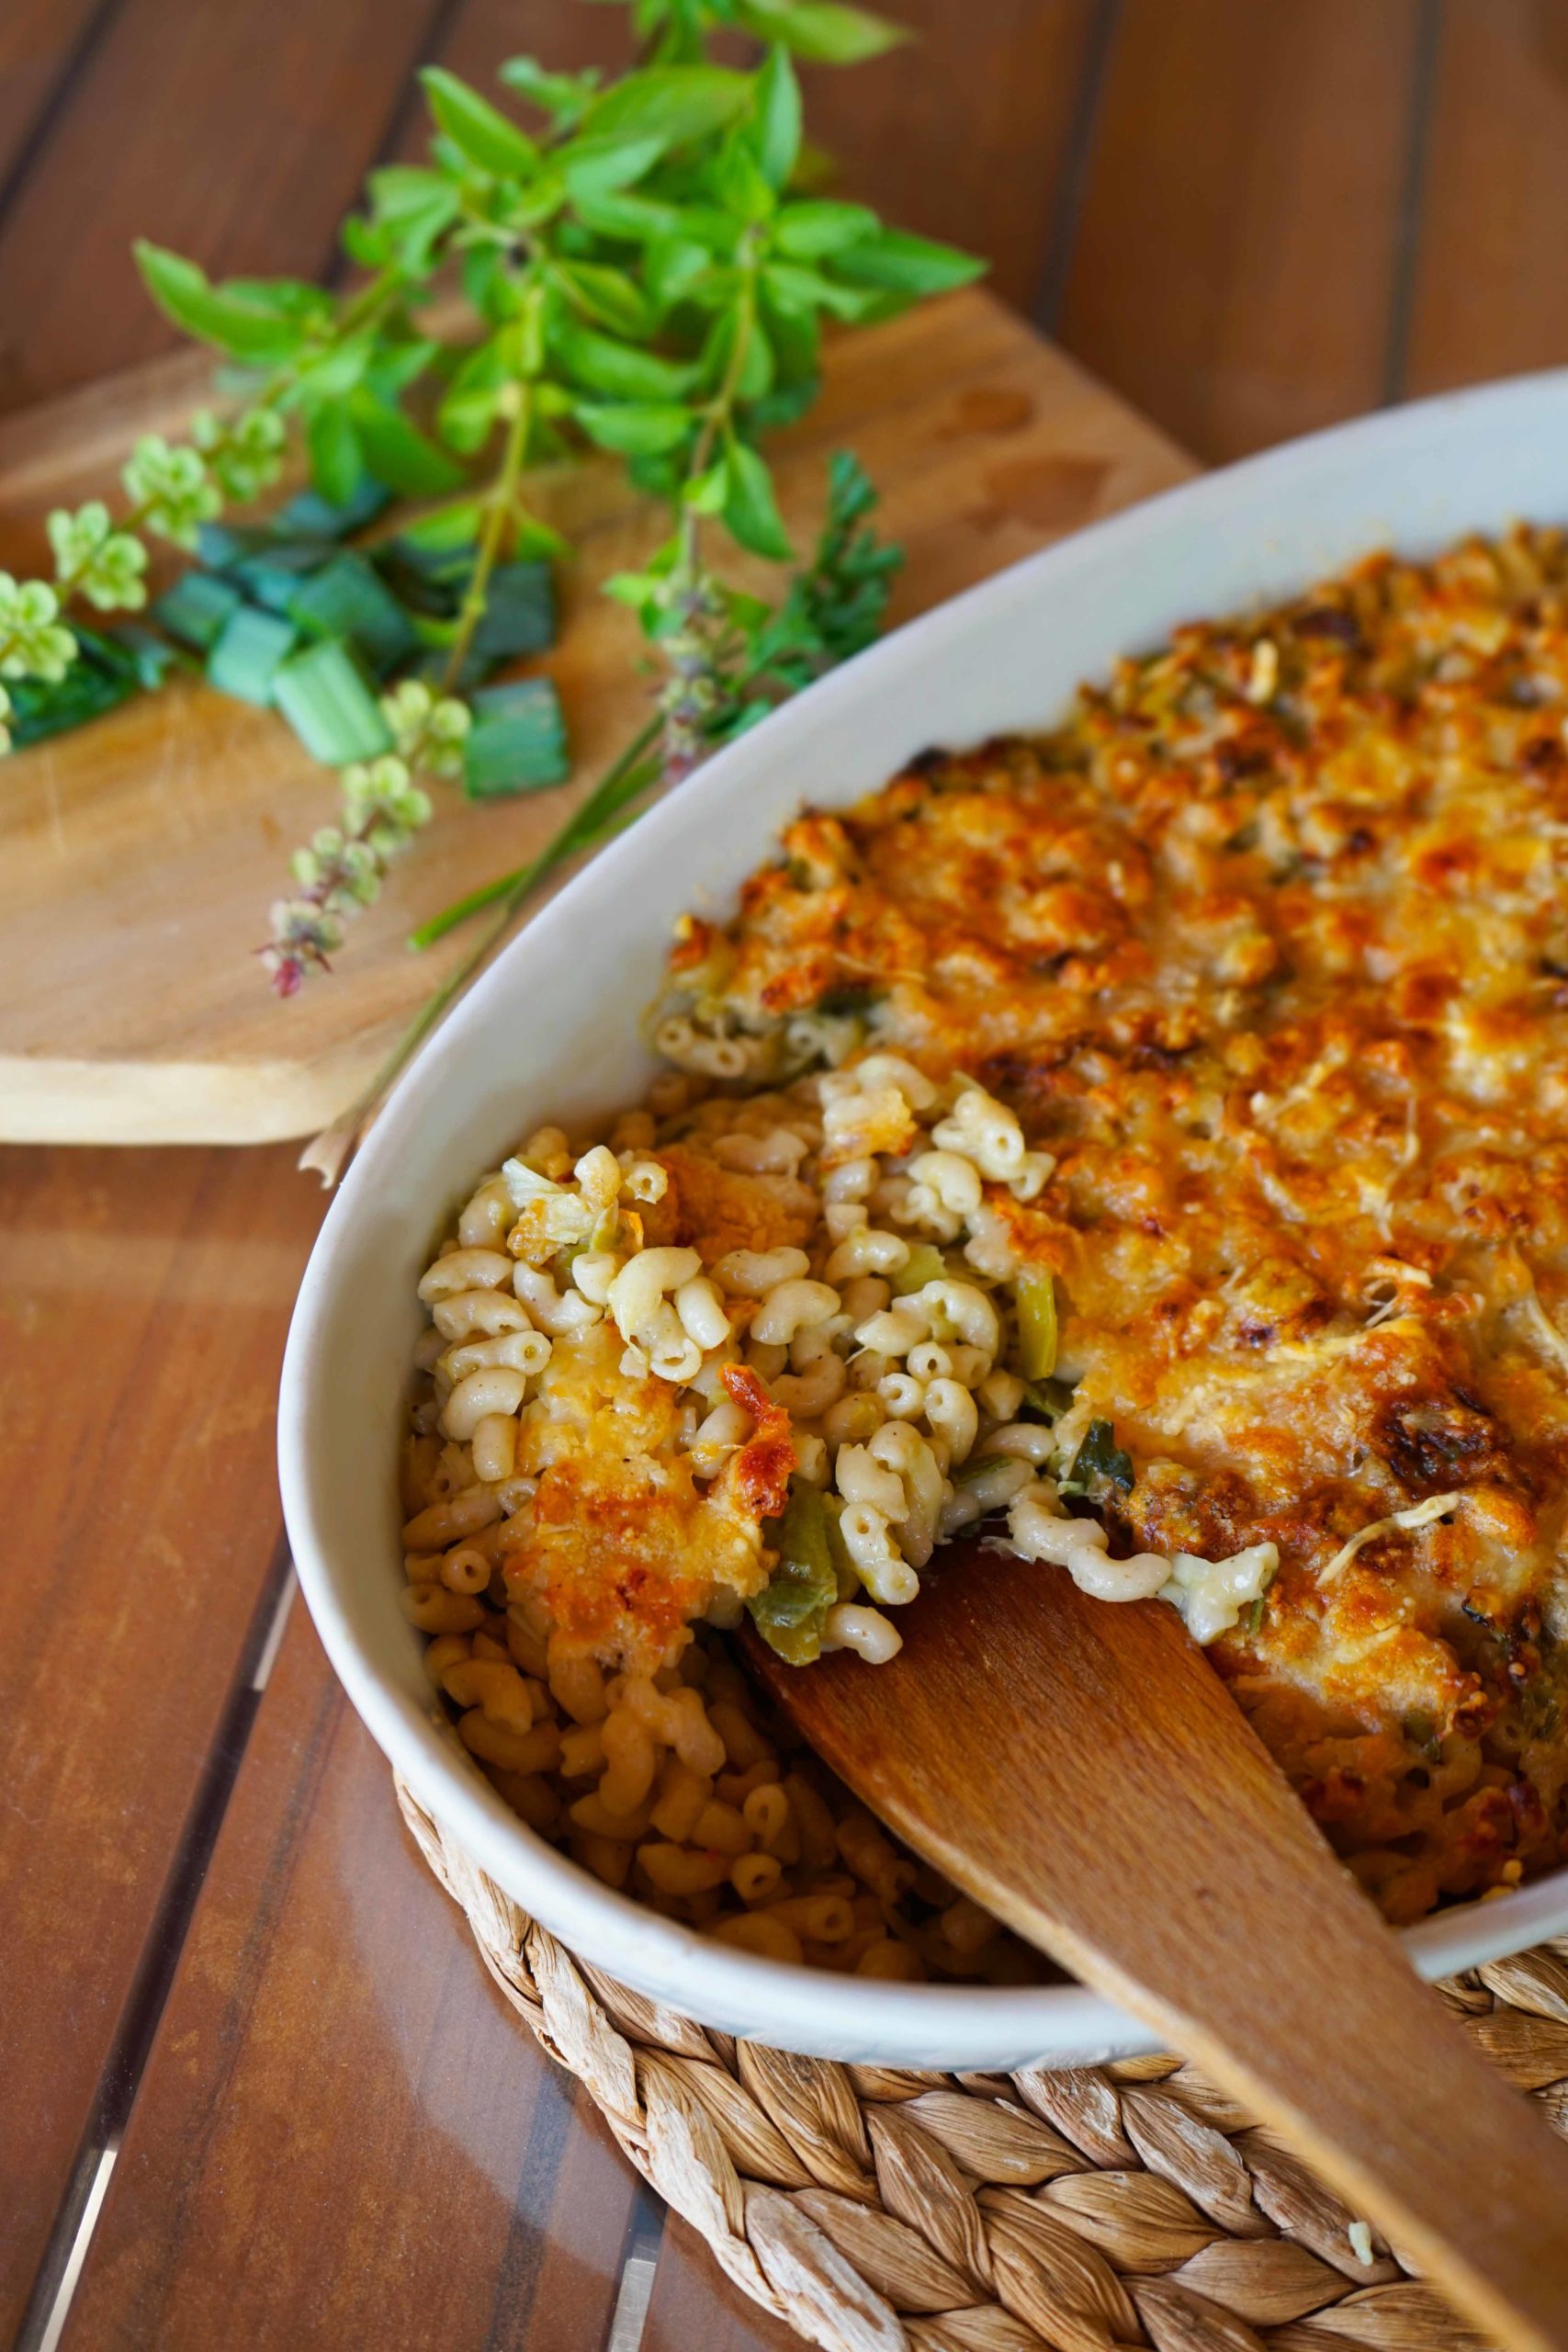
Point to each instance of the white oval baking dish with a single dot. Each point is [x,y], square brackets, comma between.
[552,1031]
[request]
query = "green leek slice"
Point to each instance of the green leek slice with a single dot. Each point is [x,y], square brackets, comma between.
[518,743]
[246,653]
[1036,1294]
[323,695]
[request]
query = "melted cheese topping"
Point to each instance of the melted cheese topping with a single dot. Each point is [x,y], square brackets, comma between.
[1268,947]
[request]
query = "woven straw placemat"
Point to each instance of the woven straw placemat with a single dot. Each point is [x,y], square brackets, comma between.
[1069,2211]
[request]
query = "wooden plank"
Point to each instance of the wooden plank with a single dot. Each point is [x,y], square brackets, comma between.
[1240,227]
[1490,295]
[162,832]
[345,2135]
[238,135]
[965,138]
[39,41]
[143,1297]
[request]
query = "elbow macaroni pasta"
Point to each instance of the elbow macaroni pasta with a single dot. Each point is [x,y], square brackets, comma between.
[572,1310]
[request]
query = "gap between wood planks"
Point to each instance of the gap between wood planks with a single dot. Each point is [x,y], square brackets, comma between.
[65,2257]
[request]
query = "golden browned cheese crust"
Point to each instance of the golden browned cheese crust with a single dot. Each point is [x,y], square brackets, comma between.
[1268,945]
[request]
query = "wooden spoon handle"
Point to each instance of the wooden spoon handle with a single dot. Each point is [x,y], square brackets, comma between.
[1062,1761]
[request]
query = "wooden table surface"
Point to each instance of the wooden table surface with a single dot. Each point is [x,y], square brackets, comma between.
[255,2089]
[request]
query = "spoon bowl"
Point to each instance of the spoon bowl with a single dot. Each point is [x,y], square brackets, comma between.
[1079,1770]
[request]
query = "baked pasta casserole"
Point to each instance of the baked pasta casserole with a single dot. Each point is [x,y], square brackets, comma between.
[1149,1138]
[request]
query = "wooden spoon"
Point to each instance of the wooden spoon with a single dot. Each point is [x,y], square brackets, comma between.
[1079,1770]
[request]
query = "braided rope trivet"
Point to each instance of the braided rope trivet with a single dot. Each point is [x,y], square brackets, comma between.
[1043,2211]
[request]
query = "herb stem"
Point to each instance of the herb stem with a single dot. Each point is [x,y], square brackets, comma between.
[327,1153]
[631,774]
[719,410]
[501,505]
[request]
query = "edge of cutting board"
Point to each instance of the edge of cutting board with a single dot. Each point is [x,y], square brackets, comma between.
[137,857]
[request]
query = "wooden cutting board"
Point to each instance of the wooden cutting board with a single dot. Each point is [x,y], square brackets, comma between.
[138,856]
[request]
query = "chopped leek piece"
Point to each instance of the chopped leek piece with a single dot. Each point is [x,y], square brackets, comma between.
[926,1265]
[346,598]
[317,518]
[840,1005]
[792,1608]
[271,582]
[323,695]
[245,655]
[519,614]
[433,590]
[196,608]
[217,545]
[1037,1322]
[430,563]
[844,1567]
[1050,1399]
[518,743]
[1100,1466]
[431,666]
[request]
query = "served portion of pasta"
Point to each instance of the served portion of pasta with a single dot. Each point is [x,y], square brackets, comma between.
[1151,1139]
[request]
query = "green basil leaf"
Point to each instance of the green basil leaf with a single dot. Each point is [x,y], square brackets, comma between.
[598,166]
[291,297]
[481,133]
[266,333]
[333,374]
[785,405]
[756,378]
[565,96]
[607,295]
[397,452]
[807,230]
[364,243]
[482,273]
[796,336]
[401,193]
[820,30]
[635,219]
[751,510]
[619,369]
[399,365]
[533,538]
[336,467]
[906,264]
[671,266]
[674,104]
[715,288]
[467,412]
[637,431]
[537,200]
[636,588]
[707,493]
[451,530]
[776,130]
[741,185]
[796,287]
